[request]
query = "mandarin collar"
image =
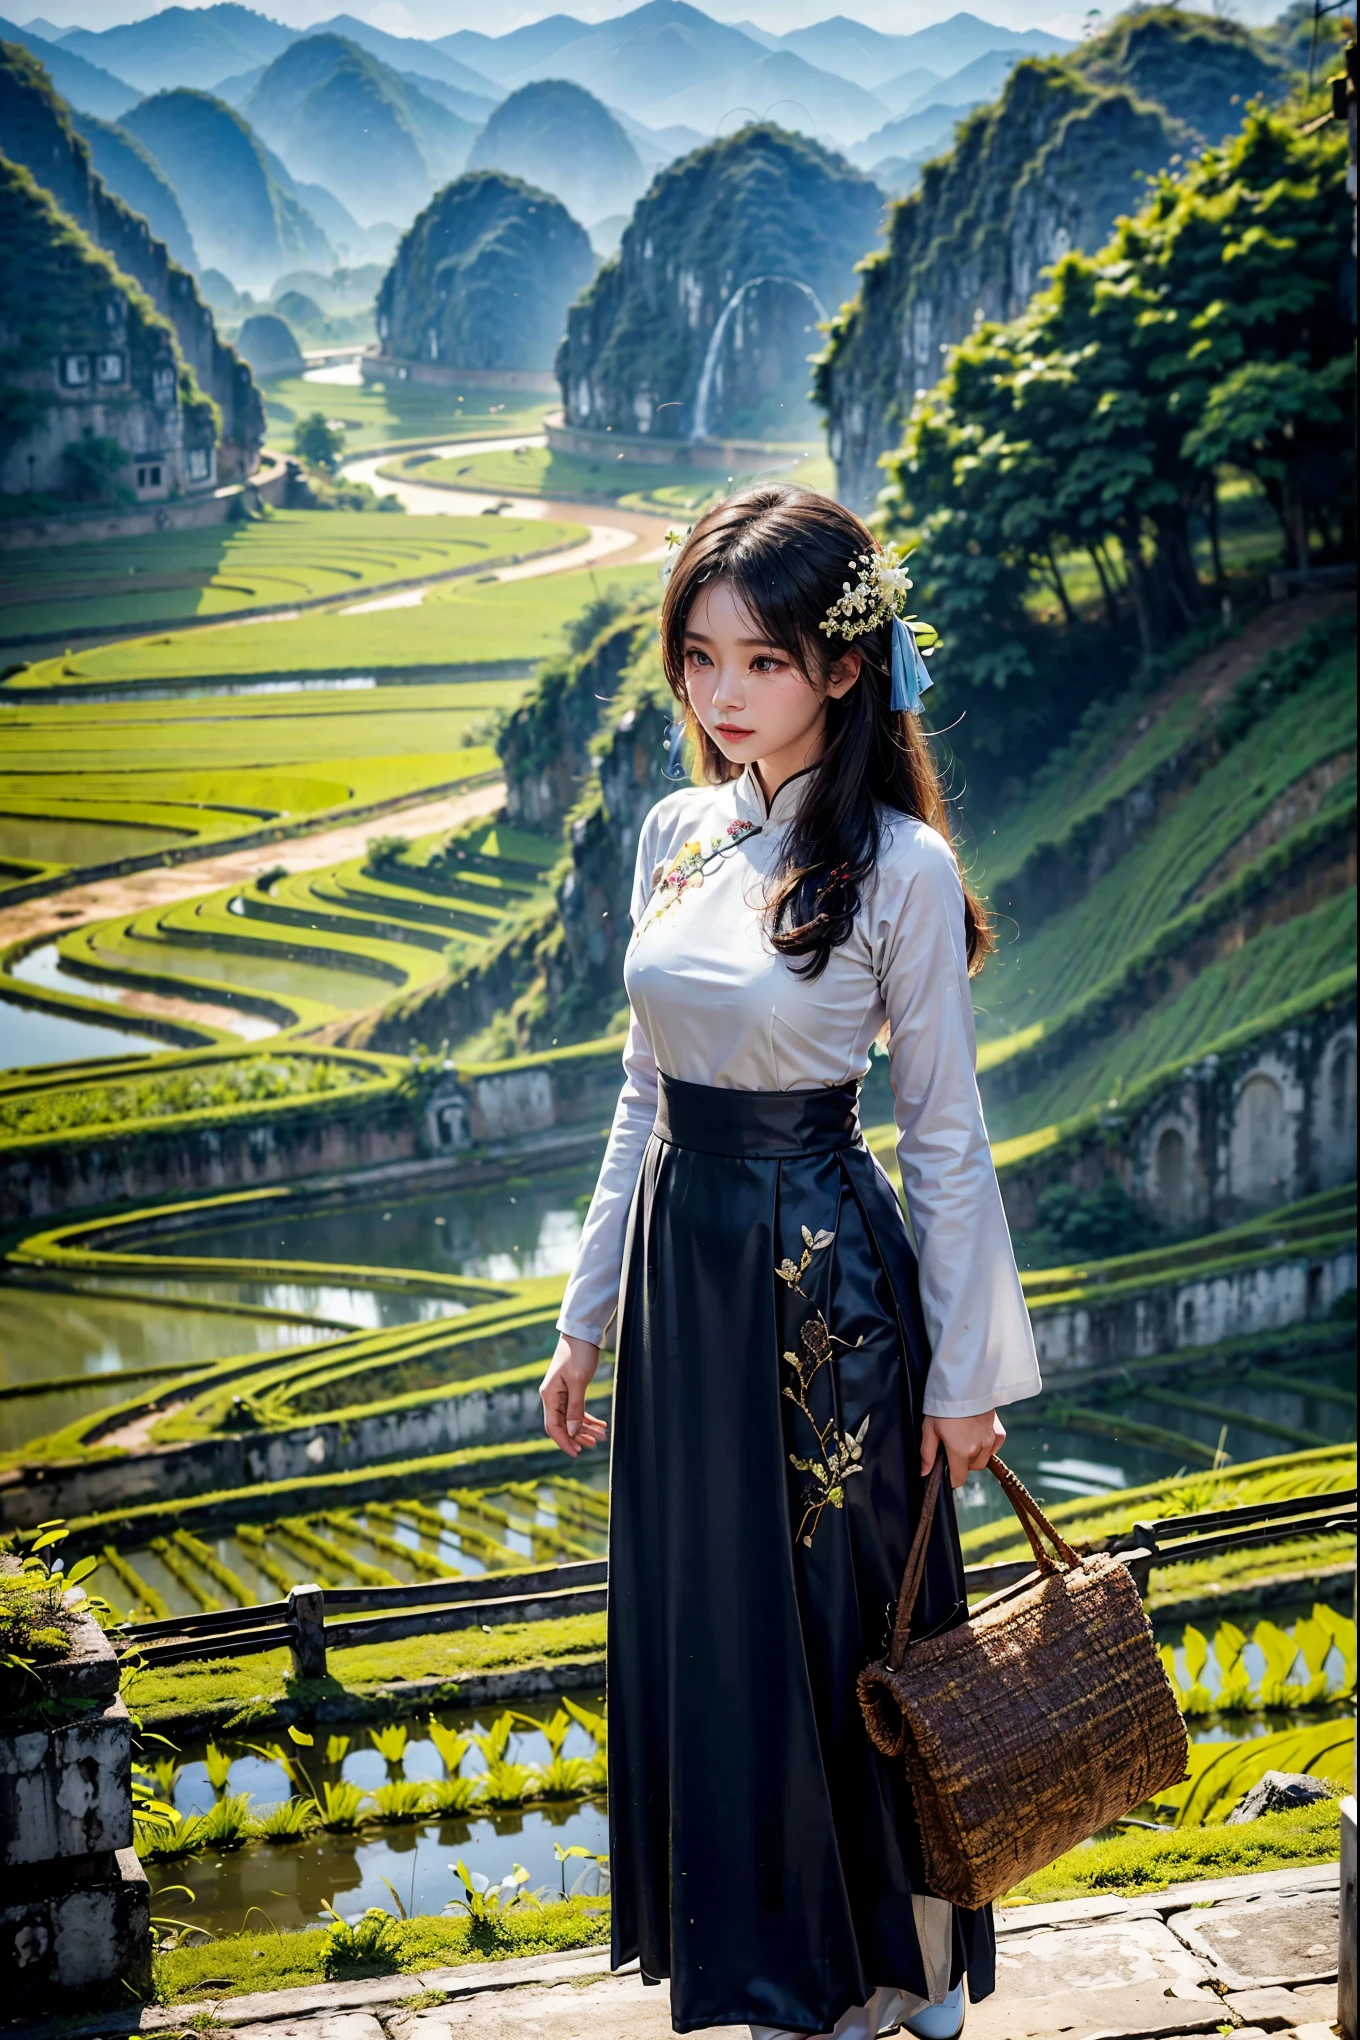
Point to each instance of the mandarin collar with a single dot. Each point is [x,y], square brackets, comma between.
[751,803]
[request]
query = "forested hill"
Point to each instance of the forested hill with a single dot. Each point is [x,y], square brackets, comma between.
[38,132]
[1047,168]
[761,203]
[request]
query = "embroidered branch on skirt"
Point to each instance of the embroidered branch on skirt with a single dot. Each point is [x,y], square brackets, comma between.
[838,1453]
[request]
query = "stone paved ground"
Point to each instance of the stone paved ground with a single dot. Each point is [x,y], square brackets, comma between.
[1246,1955]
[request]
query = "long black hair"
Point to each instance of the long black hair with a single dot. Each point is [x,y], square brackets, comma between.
[788,553]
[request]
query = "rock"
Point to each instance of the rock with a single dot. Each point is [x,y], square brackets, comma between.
[558,136]
[1277,1792]
[483,278]
[1048,167]
[268,345]
[759,205]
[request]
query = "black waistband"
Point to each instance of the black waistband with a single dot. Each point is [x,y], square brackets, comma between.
[769,1123]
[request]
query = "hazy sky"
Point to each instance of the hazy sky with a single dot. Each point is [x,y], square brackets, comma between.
[439,17]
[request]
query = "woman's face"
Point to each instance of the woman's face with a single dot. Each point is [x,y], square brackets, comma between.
[755,702]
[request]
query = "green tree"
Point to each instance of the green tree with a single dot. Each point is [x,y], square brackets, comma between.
[319,443]
[1213,329]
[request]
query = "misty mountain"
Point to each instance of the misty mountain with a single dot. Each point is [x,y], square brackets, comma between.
[484,277]
[558,136]
[866,56]
[128,167]
[243,219]
[915,137]
[982,79]
[780,87]
[514,56]
[411,53]
[84,84]
[658,145]
[345,120]
[472,107]
[897,95]
[184,45]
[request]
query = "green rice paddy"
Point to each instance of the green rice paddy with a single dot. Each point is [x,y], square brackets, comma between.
[456,624]
[308,947]
[666,489]
[286,558]
[86,784]
[394,413]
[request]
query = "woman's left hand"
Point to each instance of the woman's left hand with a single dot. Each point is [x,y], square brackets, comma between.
[969,1443]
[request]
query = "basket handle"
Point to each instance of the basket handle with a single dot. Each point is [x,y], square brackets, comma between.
[1033,1522]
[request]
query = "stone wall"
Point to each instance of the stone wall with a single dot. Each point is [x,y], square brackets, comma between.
[451,1114]
[1269,1118]
[1190,1310]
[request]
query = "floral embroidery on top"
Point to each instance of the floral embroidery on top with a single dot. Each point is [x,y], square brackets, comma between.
[689,867]
[838,1453]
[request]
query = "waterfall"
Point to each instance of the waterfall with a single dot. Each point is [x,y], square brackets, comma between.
[701,428]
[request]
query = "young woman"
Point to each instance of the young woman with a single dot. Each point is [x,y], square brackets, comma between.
[788,1364]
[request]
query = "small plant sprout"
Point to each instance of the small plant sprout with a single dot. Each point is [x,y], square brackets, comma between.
[390,1742]
[342,1807]
[565,1856]
[400,1799]
[452,1748]
[337,1748]
[217,1763]
[292,1820]
[371,1941]
[481,1899]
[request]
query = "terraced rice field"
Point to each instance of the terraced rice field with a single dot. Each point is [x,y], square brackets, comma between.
[84,785]
[290,557]
[304,948]
[457,624]
[468,1531]
[1237,902]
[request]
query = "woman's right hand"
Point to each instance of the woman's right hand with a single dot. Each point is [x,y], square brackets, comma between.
[570,1373]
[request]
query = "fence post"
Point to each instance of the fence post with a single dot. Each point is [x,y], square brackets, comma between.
[1139,1563]
[306,1609]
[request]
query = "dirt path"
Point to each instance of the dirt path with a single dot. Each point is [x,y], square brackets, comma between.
[616,534]
[160,887]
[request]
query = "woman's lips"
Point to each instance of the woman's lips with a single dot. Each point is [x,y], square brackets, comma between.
[737,730]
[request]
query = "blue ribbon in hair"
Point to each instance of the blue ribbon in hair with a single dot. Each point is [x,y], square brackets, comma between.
[909,676]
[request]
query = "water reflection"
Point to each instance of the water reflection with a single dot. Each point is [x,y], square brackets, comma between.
[292,1882]
[31,1038]
[498,1233]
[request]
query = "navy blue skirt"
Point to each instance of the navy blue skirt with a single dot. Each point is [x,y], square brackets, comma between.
[764,1486]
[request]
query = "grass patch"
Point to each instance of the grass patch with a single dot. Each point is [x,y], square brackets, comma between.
[288,557]
[661,487]
[1137,1861]
[389,413]
[192,1088]
[251,1962]
[218,1688]
[458,624]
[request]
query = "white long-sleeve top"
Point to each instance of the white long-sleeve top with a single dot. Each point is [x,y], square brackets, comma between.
[713,1003]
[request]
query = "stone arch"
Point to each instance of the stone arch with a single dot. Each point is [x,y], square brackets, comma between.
[1171,1176]
[1262,1160]
[1334,1122]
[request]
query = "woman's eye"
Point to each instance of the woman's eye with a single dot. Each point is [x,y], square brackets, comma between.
[766,662]
[697,658]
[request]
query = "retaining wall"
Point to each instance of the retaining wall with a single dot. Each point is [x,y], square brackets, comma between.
[1195,1310]
[1269,1117]
[460,1111]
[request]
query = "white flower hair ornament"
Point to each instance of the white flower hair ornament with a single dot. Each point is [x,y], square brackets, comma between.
[875,596]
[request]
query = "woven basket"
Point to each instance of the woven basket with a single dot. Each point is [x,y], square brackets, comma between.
[1039,1720]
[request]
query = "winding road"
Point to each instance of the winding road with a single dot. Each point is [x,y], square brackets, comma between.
[618,535]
